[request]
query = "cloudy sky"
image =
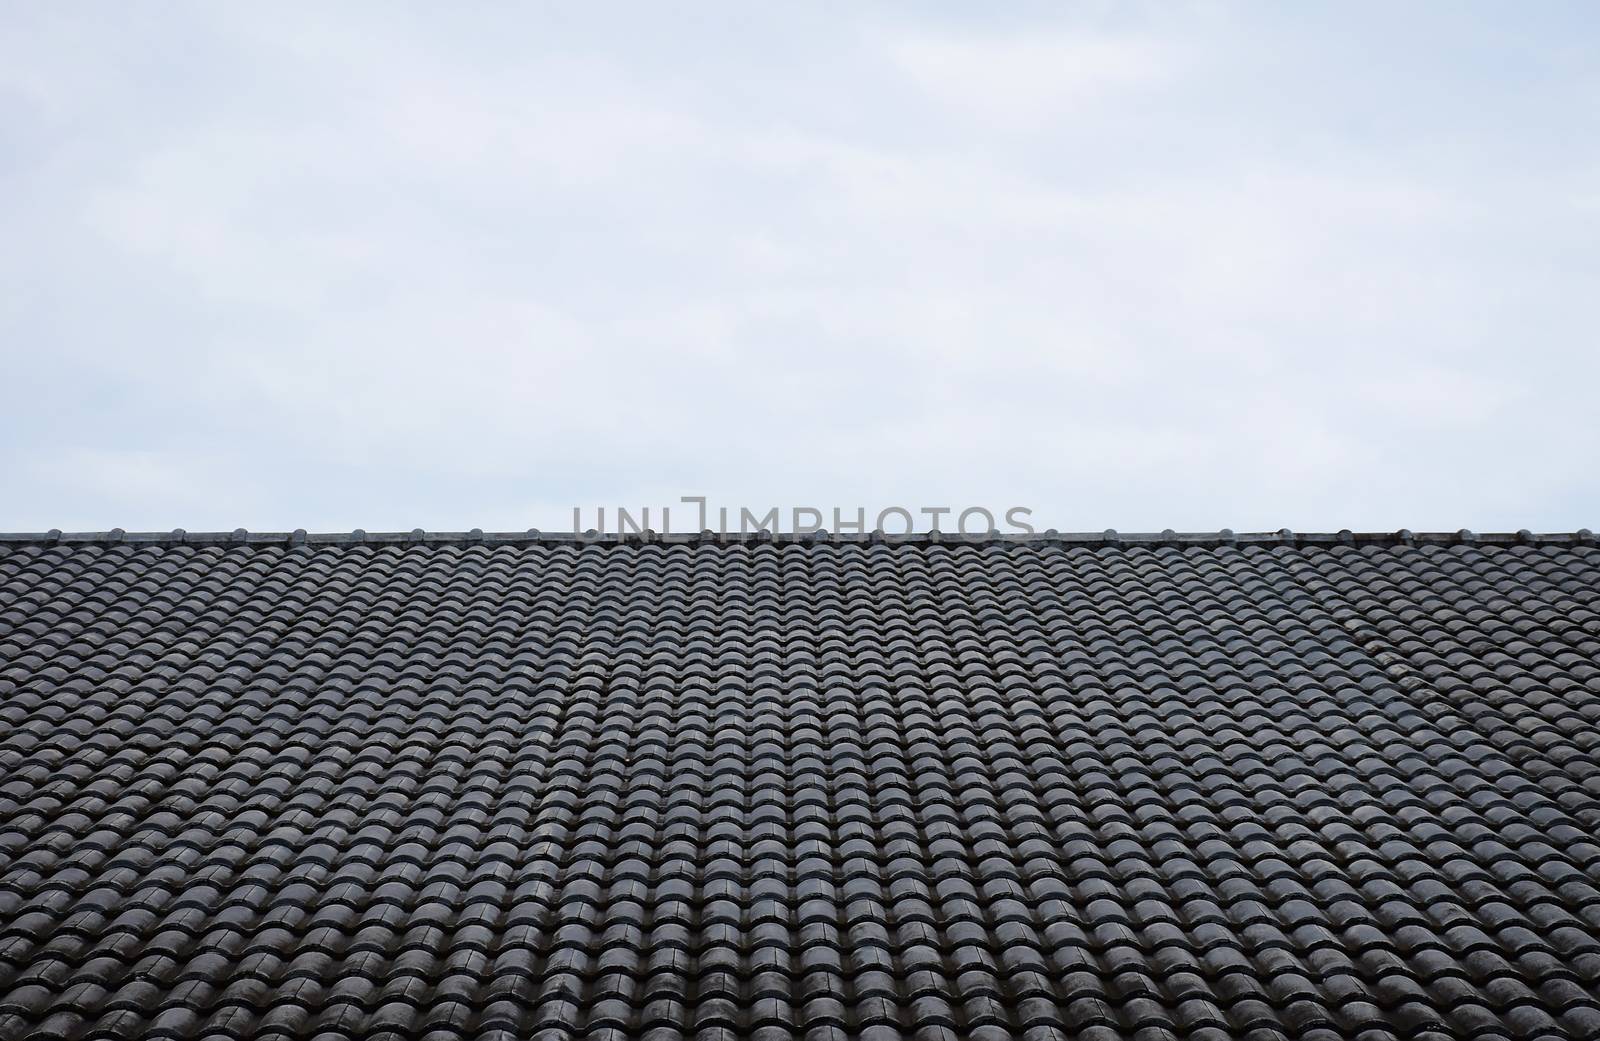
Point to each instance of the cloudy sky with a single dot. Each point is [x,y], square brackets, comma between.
[1186,265]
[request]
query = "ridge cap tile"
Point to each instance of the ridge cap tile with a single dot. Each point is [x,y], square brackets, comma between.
[1225,536]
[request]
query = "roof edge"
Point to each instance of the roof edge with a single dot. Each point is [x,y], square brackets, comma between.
[1225,537]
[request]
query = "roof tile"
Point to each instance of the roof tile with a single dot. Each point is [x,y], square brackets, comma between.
[423,785]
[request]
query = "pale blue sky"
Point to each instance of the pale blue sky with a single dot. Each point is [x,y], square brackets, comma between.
[1177,265]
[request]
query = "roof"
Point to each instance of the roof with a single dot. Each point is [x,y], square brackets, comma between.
[1219,786]
[1225,537]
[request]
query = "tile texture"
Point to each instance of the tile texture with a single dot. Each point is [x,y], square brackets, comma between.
[526,787]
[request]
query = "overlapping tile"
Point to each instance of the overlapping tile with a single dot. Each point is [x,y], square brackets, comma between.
[438,787]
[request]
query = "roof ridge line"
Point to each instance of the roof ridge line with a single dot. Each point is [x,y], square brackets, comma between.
[1169,537]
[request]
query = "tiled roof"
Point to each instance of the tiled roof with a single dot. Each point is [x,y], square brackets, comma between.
[408,786]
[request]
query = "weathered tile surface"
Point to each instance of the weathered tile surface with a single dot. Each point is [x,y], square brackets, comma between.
[825,789]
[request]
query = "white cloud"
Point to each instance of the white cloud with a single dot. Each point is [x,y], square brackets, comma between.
[1436,396]
[389,271]
[1025,80]
[122,474]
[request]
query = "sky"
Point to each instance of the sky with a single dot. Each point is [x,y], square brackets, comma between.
[1177,265]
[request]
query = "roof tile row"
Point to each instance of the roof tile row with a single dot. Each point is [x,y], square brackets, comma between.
[915,789]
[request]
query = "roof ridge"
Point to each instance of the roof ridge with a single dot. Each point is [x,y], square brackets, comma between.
[1169,537]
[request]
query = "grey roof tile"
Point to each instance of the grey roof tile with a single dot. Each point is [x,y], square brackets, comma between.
[425,785]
